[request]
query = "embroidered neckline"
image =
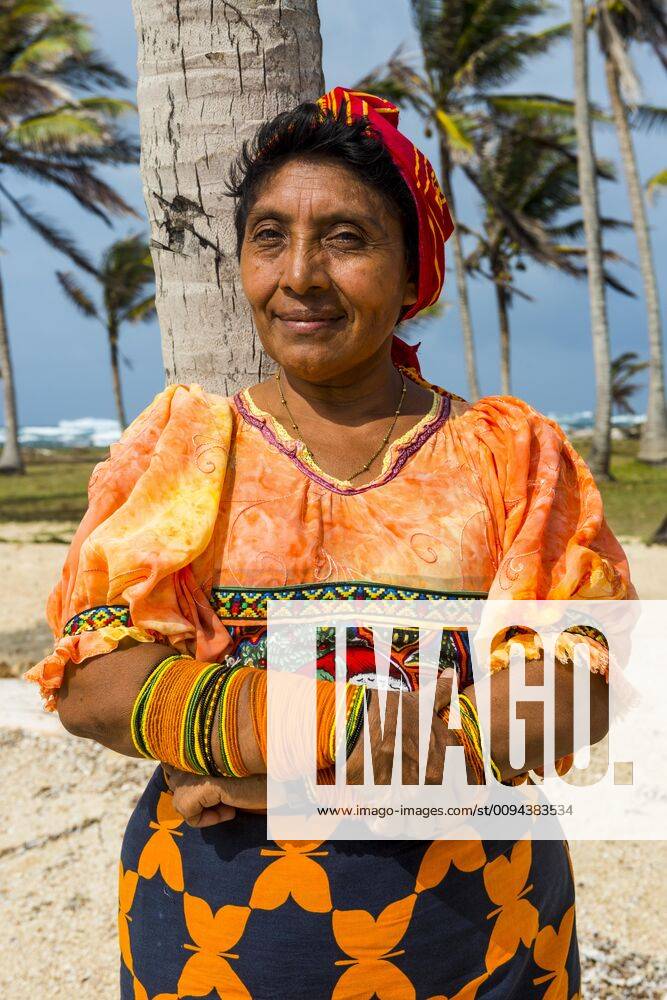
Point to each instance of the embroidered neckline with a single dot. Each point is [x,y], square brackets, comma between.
[394,459]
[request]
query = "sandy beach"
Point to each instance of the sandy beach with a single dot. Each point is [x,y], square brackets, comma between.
[67,802]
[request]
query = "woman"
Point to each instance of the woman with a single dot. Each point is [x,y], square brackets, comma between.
[346,475]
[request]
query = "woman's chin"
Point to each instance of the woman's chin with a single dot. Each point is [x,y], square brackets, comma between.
[315,357]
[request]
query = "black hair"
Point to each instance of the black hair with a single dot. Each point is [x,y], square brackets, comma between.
[307,132]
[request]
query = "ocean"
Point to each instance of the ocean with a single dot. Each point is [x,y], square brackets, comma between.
[98,432]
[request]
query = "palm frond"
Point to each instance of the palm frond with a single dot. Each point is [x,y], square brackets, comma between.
[61,129]
[623,369]
[457,130]
[618,286]
[648,117]
[90,191]
[142,312]
[43,55]
[398,81]
[77,295]
[655,183]
[50,233]
[575,229]
[23,94]
[107,107]
[503,56]
[619,23]
[93,71]
[529,105]
[127,275]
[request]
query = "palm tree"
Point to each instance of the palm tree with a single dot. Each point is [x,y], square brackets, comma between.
[618,24]
[526,167]
[50,135]
[469,48]
[127,279]
[600,452]
[209,73]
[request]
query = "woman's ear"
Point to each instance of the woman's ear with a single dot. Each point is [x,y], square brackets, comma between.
[410,293]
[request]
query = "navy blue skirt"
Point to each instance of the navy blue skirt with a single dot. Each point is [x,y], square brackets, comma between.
[223,912]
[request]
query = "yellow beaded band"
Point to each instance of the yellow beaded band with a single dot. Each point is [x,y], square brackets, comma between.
[471,741]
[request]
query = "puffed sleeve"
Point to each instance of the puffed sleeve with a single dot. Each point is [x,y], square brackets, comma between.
[546,521]
[152,508]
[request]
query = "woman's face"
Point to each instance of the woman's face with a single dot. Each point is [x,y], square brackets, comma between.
[323,266]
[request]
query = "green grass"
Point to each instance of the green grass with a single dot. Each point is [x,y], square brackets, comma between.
[55,489]
[635,502]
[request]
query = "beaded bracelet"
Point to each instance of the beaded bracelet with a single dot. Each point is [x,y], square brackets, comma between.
[355,718]
[230,751]
[471,740]
[470,724]
[173,717]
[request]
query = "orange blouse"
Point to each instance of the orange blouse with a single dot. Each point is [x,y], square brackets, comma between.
[204,491]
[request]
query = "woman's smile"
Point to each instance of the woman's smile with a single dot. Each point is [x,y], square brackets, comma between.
[310,321]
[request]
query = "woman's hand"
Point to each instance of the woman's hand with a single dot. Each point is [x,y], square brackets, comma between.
[204,801]
[384,745]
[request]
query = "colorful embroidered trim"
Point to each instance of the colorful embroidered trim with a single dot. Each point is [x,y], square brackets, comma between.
[251,602]
[96,618]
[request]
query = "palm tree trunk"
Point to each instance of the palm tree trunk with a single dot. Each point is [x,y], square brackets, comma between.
[459,267]
[600,453]
[115,375]
[653,446]
[504,328]
[11,459]
[209,73]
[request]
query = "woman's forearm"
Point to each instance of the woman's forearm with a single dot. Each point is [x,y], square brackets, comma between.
[97,699]
[97,696]
[532,714]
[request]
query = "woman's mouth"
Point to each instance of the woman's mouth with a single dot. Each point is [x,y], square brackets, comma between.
[309,322]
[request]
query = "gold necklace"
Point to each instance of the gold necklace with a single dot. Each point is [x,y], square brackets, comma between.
[370,461]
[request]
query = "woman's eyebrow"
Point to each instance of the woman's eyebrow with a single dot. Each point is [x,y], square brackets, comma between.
[326,218]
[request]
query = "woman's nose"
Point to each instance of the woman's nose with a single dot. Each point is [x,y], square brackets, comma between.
[303,268]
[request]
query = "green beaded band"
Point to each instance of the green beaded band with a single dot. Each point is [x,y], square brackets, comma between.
[224,723]
[470,723]
[355,720]
[193,736]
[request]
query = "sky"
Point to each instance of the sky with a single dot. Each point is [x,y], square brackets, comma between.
[61,360]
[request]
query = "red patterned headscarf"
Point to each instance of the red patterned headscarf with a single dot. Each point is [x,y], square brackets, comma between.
[435,222]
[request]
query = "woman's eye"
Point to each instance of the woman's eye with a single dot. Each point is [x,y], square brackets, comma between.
[267,235]
[346,236]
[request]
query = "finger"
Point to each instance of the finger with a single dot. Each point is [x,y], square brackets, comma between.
[187,805]
[211,816]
